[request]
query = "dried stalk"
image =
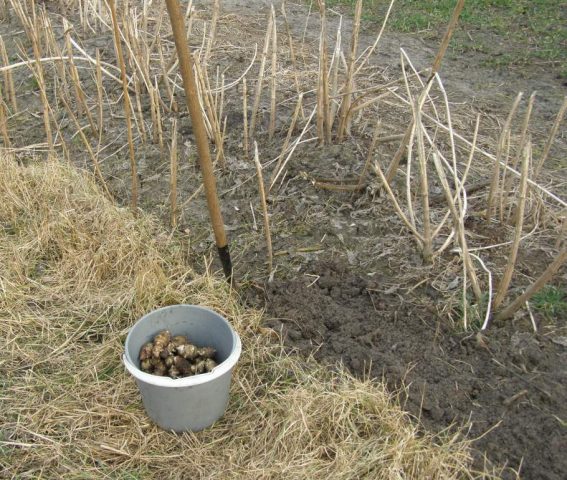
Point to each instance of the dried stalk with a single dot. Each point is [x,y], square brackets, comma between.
[4,125]
[213,30]
[245,117]
[295,143]
[427,252]
[272,126]
[8,78]
[221,101]
[395,163]
[212,112]
[96,165]
[205,102]
[127,105]
[344,123]
[334,74]
[292,55]
[486,154]
[447,37]
[551,138]
[264,208]
[139,121]
[458,223]
[418,237]
[506,181]
[173,177]
[535,287]
[31,27]
[369,51]
[100,97]
[80,96]
[298,108]
[172,103]
[302,49]
[507,277]
[158,131]
[369,155]
[494,184]
[323,112]
[259,83]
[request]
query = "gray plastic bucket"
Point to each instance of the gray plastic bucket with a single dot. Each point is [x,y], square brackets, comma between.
[190,403]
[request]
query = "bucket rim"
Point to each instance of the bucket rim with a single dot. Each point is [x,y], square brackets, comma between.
[222,368]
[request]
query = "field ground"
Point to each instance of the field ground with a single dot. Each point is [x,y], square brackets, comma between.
[525,34]
[349,283]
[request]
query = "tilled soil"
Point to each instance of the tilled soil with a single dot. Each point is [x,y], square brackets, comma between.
[507,386]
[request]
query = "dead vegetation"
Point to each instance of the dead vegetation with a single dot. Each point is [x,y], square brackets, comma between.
[321,95]
[77,273]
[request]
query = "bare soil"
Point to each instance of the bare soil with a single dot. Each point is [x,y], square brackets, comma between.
[507,386]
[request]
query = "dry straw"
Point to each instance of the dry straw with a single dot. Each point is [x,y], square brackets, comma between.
[69,407]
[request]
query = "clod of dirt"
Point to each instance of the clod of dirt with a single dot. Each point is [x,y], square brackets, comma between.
[175,357]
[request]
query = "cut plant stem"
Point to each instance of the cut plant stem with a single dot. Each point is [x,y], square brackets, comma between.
[96,166]
[344,120]
[8,78]
[292,54]
[213,30]
[369,155]
[189,84]
[264,209]
[323,111]
[298,108]
[494,184]
[245,117]
[166,81]
[173,177]
[4,125]
[447,38]
[127,106]
[427,253]
[507,277]
[80,96]
[418,237]
[369,51]
[334,75]
[535,287]
[272,126]
[551,138]
[100,97]
[157,102]
[259,82]
[459,227]
[506,180]
[395,163]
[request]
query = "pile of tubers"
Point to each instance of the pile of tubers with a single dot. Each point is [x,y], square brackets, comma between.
[175,357]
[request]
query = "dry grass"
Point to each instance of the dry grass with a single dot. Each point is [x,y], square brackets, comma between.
[77,273]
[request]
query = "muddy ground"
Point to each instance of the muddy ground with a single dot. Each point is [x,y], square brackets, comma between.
[349,284]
